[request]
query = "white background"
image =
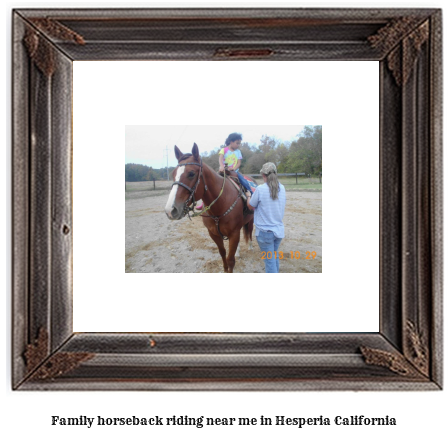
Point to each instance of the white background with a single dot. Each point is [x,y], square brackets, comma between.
[110,95]
[417,414]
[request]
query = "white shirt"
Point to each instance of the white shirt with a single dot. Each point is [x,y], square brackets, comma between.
[269,214]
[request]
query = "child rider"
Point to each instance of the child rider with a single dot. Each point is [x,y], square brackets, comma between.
[231,155]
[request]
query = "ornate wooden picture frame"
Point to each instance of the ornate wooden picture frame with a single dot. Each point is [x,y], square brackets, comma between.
[406,353]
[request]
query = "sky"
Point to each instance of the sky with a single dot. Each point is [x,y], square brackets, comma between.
[150,145]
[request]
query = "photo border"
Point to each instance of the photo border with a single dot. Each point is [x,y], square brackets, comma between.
[406,353]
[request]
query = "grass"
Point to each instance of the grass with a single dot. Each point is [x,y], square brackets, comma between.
[144,189]
[303,184]
[145,194]
[145,186]
[303,187]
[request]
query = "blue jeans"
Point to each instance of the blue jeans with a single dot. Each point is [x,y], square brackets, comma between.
[244,182]
[269,244]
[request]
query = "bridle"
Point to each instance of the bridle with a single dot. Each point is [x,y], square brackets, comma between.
[186,210]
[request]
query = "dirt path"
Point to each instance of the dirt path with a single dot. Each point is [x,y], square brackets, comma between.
[156,244]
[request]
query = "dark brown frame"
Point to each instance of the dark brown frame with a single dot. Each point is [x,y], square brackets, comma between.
[406,354]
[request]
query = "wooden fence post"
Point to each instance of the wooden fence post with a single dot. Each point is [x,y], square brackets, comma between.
[296,179]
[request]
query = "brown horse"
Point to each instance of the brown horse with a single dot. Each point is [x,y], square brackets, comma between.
[223,207]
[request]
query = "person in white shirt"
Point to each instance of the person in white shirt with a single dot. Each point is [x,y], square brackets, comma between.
[268,203]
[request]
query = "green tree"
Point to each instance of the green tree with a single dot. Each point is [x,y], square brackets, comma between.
[247,151]
[305,153]
[282,157]
[211,159]
[135,172]
[150,175]
[267,144]
[254,163]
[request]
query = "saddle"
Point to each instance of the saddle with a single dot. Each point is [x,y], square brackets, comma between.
[233,177]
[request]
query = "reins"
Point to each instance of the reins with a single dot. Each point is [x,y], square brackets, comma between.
[220,193]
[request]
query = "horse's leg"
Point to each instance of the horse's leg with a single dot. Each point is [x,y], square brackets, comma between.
[234,240]
[250,227]
[222,250]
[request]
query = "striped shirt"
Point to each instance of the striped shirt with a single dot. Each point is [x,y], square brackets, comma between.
[269,214]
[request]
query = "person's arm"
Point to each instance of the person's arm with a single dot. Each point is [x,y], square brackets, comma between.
[252,200]
[237,165]
[249,197]
[221,162]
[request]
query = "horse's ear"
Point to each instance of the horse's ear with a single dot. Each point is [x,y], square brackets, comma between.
[177,152]
[195,152]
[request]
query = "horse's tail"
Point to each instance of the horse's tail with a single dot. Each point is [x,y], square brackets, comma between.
[246,233]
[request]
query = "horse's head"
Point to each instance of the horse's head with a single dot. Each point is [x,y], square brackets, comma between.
[186,178]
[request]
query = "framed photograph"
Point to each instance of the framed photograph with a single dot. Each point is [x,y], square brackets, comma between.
[180,246]
[197,332]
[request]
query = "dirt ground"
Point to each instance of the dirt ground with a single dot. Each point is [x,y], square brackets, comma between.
[156,244]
